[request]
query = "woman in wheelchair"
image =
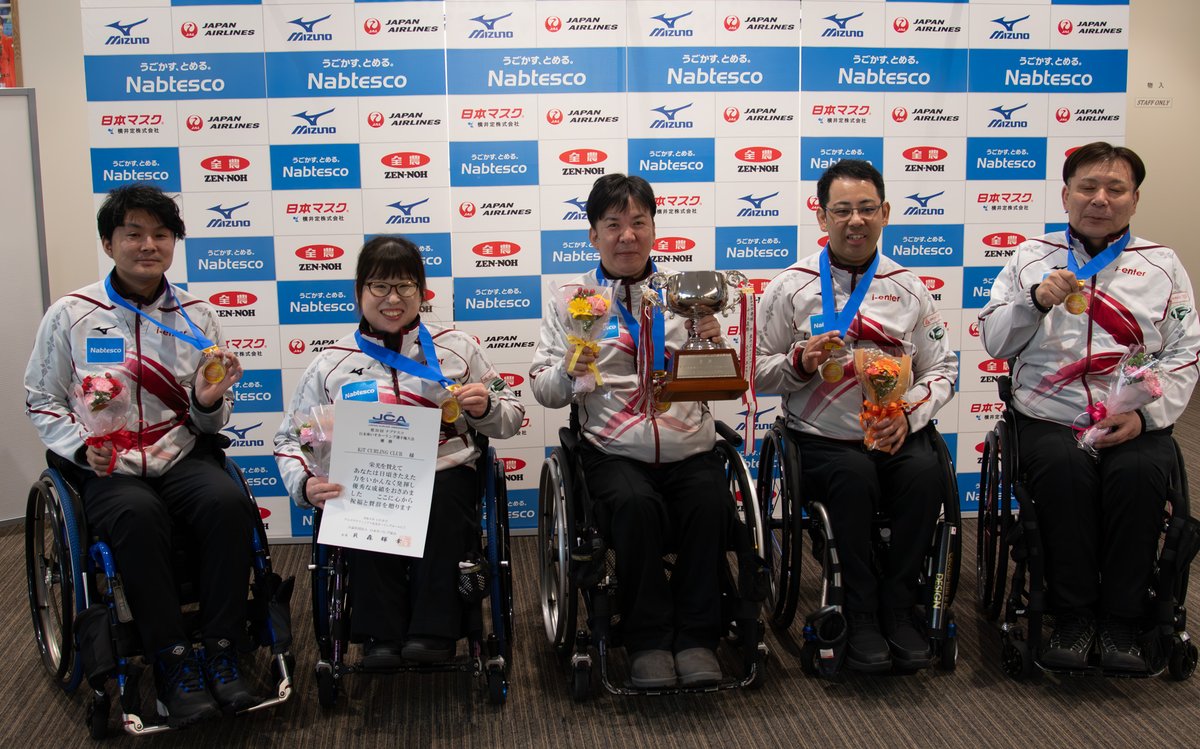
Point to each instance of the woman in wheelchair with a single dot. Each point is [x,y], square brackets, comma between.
[159,467]
[812,314]
[405,609]
[1065,309]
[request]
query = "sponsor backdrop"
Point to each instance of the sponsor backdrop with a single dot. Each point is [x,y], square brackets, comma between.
[293,132]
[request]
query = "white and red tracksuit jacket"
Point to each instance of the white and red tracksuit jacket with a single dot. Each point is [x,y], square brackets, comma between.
[1065,362]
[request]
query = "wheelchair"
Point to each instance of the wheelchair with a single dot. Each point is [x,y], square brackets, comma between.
[82,621]
[576,565]
[1009,559]
[788,516]
[489,657]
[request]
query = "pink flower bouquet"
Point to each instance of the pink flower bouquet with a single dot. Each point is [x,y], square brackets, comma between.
[1137,382]
[101,403]
[314,430]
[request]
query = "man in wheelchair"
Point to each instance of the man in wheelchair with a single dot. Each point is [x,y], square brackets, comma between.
[1065,310]
[129,384]
[655,481]
[812,316]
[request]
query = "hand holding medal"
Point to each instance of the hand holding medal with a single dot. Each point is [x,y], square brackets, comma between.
[472,398]
[823,354]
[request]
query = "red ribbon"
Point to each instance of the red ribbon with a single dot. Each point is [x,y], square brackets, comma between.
[1097,412]
[121,440]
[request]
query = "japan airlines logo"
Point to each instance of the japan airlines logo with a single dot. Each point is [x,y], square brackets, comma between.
[668,25]
[123,36]
[489,28]
[1065,27]
[732,23]
[899,114]
[296,346]
[308,35]
[372,26]
[1063,115]
[227,221]
[554,116]
[922,205]
[553,24]
[732,114]
[311,127]
[195,123]
[900,25]
[466,210]
[375,120]
[813,204]
[839,26]
[189,30]
[1008,32]
[757,209]
[668,120]
[1005,119]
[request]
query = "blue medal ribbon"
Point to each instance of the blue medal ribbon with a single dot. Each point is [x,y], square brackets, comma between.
[657,331]
[1097,263]
[430,370]
[833,319]
[196,338]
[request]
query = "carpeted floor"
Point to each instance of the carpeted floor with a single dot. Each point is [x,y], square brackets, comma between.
[977,705]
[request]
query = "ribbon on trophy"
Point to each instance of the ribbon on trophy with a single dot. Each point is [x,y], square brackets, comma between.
[649,333]
[1078,302]
[748,352]
[214,371]
[430,371]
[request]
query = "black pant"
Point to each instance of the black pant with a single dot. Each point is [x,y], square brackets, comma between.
[646,510]
[395,597]
[136,516]
[852,482]
[1100,518]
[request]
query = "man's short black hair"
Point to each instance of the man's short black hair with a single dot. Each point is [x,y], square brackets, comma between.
[1104,153]
[135,196]
[848,169]
[389,256]
[617,190]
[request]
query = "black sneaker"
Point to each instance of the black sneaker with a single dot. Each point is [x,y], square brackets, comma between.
[179,678]
[1069,646]
[1119,647]
[910,649]
[224,679]
[382,654]
[866,650]
[428,649]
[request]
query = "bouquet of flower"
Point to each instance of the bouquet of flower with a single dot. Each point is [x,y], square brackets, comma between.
[885,377]
[586,312]
[101,403]
[1138,382]
[314,429]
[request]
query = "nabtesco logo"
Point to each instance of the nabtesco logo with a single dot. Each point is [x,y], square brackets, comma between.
[673,244]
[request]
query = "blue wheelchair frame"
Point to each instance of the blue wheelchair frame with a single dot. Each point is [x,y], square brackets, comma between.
[1009,545]
[825,627]
[489,657]
[65,580]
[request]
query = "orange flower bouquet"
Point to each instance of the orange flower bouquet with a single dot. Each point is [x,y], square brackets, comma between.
[885,377]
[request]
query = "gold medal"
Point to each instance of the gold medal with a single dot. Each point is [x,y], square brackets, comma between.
[1076,303]
[832,371]
[451,409]
[214,371]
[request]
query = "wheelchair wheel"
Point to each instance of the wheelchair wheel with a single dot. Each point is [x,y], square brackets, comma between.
[948,648]
[782,549]
[556,532]
[1016,658]
[54,559]
[499,557]
[991,557]
[1181,662]
[497,687]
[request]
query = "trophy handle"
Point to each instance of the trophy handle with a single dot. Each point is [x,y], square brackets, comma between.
[738,281]
[654,286]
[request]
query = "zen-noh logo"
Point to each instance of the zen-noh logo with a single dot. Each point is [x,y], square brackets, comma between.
[673,244]
[225,163]
[497,254]
[925,159]
[233,299]
[583,161]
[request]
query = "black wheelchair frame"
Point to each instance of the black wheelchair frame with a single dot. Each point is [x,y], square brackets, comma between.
[489,657]
[576,565]
[75,594]
[825,627]
[1009,555]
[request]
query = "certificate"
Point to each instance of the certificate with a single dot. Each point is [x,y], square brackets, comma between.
[385,458]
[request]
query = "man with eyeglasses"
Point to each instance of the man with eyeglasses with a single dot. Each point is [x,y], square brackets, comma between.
[813,315]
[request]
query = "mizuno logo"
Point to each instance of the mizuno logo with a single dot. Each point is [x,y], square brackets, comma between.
[490,23]
[841,22]
[241,433]
[308,25]
[670,113]
[1008,25]
[923,200]
[407,209]
[669,21]
[311,119]
[757,202]
[124,28]
[579,203]
[1007,113]
[103,330]
[227,213]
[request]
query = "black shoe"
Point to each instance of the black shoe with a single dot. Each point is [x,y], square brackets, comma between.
[1068,648]
[1119,647]
[224,678]
[910,649]
[182,697]
[382,654]
[428,649]
[866,650]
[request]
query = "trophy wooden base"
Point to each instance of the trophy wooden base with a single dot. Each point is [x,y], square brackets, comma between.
[710,375]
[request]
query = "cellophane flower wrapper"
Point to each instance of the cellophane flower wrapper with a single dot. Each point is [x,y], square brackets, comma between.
[1137,382]
[885,375]
[314,430]
[101,403]
[585,312]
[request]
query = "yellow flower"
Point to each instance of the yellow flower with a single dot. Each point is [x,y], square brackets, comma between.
[580,308]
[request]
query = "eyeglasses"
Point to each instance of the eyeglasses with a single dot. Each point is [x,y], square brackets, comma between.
[843,213]
[404,289]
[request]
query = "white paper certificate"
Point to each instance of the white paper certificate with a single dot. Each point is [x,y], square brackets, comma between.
[385,458]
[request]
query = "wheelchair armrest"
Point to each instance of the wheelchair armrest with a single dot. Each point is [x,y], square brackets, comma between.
[727,433]
[1004,385]
[569,439]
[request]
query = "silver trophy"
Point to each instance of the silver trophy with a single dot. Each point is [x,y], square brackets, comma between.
[703,370]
